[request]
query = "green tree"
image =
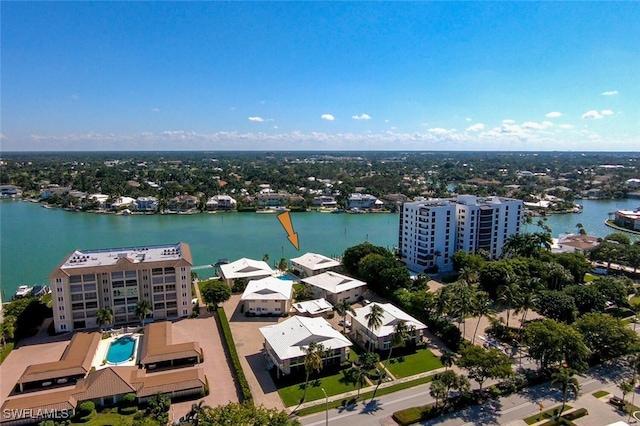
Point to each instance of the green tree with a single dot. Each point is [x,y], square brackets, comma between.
[356,375]
[508,295]
[353,255]
[552,343]
[374,321]
[343,308]
[626,386]
[567,383]
[612,289]
[215,293]
[243,414]
[576,263]
[587,298]
[619,238]
[484,364]
[7,329]
[283,265]
[313,361]
[483,307]
[303,292]
[557,305]
[143,310]
[104,316]
[158,408]
[448,358]
[439,391]
[401,333]
[607,337]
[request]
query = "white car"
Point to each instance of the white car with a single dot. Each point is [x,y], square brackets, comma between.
[348,323]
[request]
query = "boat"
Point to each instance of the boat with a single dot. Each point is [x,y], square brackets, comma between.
[273,210]
[23,291]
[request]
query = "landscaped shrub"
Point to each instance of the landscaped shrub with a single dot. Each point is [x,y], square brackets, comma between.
[128,410]
[86,408]
[129,399]
[235,360]
[580,412]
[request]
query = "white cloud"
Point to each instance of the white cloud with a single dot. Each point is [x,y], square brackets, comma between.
[511,128]
[155,109]
[361,117]
[257,119]
[537,126]
[468,119]
[553,114]
[275,127]
[606,112]
[610,93]
[547,123]
[475,127]
[508,121]
[327,117]
[439,131]
[567,126]
[386,121]
[592,114]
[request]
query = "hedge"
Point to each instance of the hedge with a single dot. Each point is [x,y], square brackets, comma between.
[235,360]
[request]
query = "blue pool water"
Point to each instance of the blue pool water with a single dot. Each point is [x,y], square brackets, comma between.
[121,350]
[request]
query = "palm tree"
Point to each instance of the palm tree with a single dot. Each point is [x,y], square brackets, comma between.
[463,296]
[358,376]
[8,329]
[528,298]
[482,308]
[508,294]
[343,308]
[143,309]
[196,411]
[313,361]
[382,374]
[565,380]
[374,320]
[448,358]
[104,316]
[265,258]
[401,332]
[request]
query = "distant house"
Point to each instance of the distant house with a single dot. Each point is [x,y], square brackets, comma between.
[122,203]
[146,204]
[633,183]
[363,202]
[100,199]
[311,264]
[272,199]
[248,269]
[336,287]
[324,201]
[9,191]
[285,343]
[58,190]
[268,296]
[380,338]
[183,203]
[629,219]
[572,243]
[221,202]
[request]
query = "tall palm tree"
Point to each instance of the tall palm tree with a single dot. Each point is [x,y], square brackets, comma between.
[507,295]
[448,358]
[482,308]
[343,308]
[143,309]
[567,383]
[104,316]
[382,374]
[528,298]
[358,376]
[399,337]
[374,320]
[313,361]
[463,296]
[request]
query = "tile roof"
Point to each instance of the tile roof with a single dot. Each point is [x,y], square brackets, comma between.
[289,338]
[334,282]
[270,288]
[157,347]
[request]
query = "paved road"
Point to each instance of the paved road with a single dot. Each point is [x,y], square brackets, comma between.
[501,411]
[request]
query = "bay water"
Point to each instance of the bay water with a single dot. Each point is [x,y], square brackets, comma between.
[34,240]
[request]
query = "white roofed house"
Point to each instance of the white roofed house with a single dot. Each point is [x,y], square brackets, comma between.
[363,202]
[146,204]
[310,264]
[268,296]
[221,202]
[285,343]
[380,338]
[244,268]
[122,203]
[336,287]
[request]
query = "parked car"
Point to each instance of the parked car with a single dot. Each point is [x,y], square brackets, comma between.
[365,302]
[342,322]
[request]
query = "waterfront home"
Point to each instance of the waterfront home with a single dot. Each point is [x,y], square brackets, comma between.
[335,287]
[123,203]
[324,201]
[146,204]
[58,190]
[380,338]
[267,296]
[310,264]
[629,219]
[183,203]
[244,268]
[363,202]
[633,183]
[9,191]
[272,200]
[99,199]
[221,202]
[285,343]
[572,243]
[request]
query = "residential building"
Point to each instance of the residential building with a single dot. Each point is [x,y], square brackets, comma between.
[629,219]
[633,183]
[573,243]
[267,296]
[158,349]
[363,202]
[380,338]
[431,231]
[270,199]
[123,203]
[57,190]
[146,204]
[324,201]
[311,264]
[313,308]
[335,287]
[119,278]
[286,343]
[9,191]
[183,203]
[221,202]
[244,268]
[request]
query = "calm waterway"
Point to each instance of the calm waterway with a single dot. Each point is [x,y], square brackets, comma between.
[34,240]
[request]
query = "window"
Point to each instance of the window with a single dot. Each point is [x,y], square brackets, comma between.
[63,326]
[62,317]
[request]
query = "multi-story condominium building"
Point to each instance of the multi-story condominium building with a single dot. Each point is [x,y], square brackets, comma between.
[431,231]
[119,278]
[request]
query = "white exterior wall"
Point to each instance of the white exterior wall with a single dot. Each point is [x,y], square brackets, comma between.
[262,307]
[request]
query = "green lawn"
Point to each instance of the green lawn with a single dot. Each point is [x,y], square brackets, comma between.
[600,394]
[635,300]
[333,385]
[545,415]
[589,277]
[409,365]
[108,419]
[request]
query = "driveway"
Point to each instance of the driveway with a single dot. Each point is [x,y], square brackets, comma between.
[249,344]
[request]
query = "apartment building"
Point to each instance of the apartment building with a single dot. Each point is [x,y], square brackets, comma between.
[432,230]
[119,278]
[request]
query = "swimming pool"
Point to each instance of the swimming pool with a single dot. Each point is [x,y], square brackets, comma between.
[286,278]
[121,350]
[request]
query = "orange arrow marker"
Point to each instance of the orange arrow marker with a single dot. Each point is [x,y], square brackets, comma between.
[285,220]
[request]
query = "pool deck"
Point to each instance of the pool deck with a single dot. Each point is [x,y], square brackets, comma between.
[99,359]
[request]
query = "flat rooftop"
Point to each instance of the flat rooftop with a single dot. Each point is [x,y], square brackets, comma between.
[142,254]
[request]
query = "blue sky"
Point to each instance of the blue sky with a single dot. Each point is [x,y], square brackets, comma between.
[320,76]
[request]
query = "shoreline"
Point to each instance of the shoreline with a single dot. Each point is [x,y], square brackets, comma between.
[612,225]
